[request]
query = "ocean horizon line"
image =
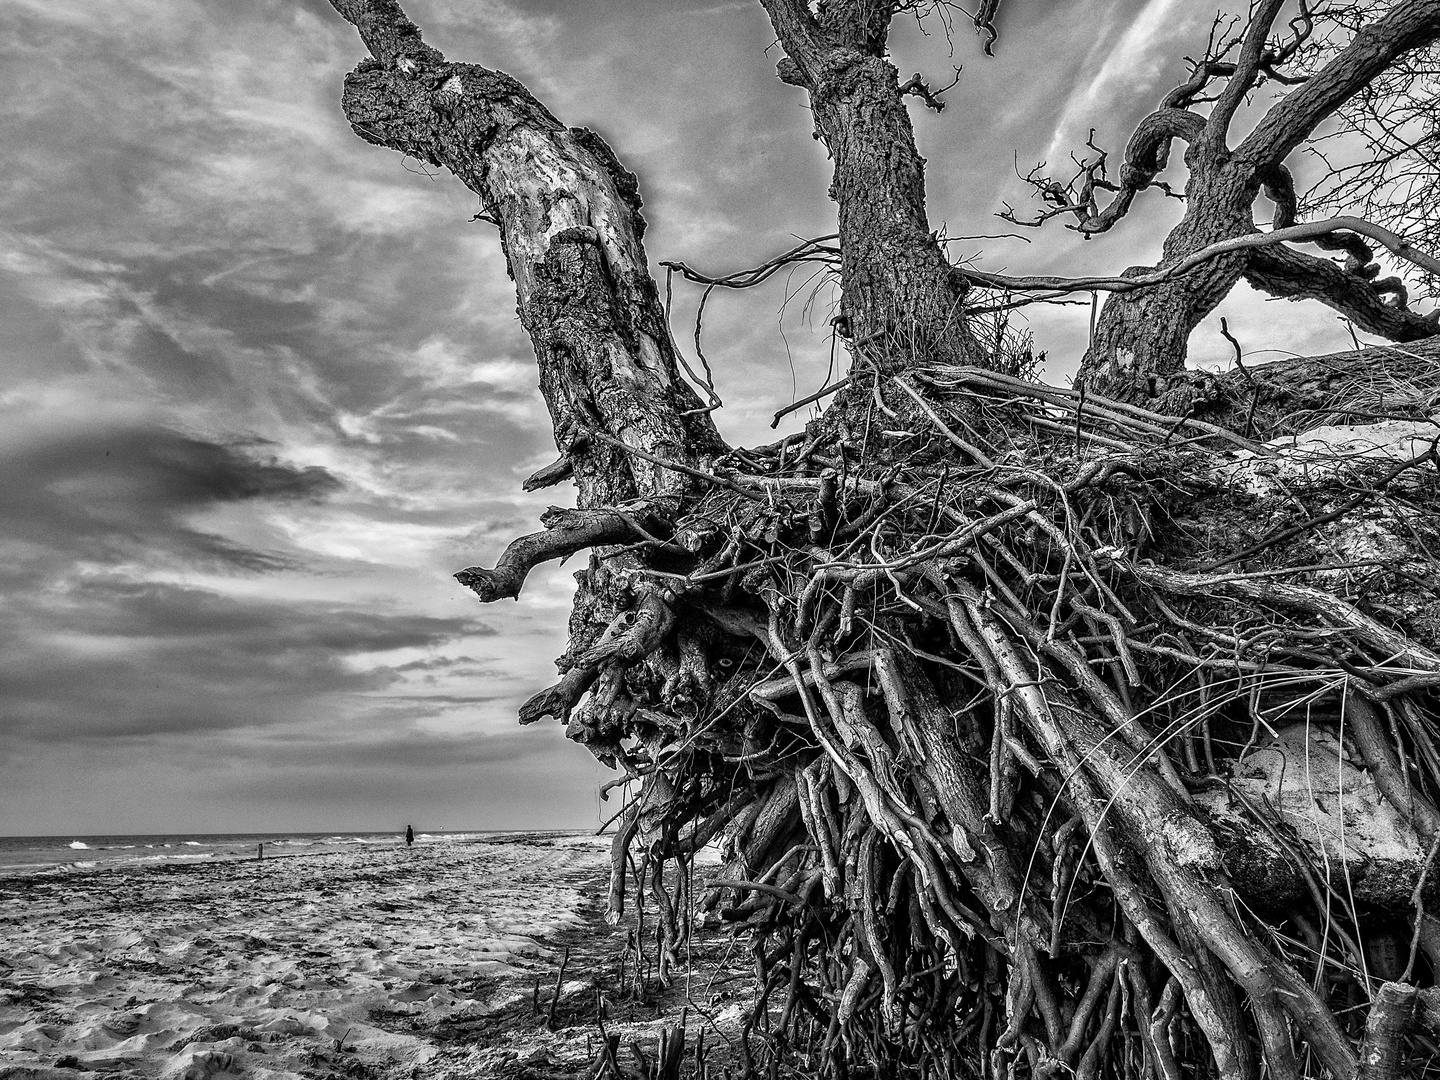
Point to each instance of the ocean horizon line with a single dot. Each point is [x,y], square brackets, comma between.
[72,851]
[80,834]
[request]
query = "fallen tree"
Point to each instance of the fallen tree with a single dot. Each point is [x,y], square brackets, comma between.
[1043,733]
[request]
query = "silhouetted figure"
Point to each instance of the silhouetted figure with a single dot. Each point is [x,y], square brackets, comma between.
[409,836]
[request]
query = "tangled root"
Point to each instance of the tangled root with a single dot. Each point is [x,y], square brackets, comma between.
[1042,734]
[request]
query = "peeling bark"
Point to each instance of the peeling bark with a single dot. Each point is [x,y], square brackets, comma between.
[570,224]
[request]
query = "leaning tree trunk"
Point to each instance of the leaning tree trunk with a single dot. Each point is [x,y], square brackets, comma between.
[1141,337]
[1139,346]
[629,430]
[1000,734]
[570,224]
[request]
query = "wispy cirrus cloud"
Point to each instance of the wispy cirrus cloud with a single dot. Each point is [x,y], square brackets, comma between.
[1127,64]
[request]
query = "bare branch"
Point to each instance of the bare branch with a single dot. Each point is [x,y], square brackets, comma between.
[556,472]
[985,12]
[566,532]
[1296,233]
[1284,272]
[1247,70]
[823,392]
[1382,160]
[558,700]
[917,86]
[1211,64]
[1146,156]
[1279,187]
[818,249]
[1408,25]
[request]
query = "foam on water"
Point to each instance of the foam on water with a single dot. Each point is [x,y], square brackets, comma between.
[58,854]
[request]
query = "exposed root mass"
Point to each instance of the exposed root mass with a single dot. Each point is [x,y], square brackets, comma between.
[990,692]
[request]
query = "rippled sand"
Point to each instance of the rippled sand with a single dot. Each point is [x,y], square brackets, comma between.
[309,965]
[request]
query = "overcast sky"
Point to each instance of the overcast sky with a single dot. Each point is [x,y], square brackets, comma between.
[262,388]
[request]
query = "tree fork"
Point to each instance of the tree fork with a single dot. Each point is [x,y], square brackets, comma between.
[1140,339]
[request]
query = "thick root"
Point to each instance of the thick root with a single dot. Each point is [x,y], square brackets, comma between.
[1005,778]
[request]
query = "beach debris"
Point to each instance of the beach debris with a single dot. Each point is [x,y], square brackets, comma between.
[559,981]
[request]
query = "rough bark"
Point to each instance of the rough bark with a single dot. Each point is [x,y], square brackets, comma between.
[1140,337]
[1390,1021]
[569,220]
[899,296]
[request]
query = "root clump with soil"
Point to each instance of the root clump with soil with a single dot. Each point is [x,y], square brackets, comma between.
[1044,735]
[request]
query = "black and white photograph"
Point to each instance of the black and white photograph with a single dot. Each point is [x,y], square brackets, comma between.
[719,540]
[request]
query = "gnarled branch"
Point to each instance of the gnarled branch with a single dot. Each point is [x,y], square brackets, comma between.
[1146,156]
[566,532]
[1247,68]
[1284,272]
[1309,231]
[1406,26]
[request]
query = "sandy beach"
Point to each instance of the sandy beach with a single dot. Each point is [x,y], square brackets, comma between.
[372,964]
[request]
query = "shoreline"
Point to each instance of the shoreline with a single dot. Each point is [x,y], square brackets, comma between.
[76,869]
[54,855]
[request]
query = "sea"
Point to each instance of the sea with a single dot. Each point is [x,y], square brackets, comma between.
[76,853]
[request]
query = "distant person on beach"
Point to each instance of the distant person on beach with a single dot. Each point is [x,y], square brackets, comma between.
[409,836]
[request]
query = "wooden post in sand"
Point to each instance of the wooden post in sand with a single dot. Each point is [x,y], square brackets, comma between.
[260,850]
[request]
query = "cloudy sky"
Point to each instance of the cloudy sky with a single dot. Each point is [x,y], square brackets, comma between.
[262,388]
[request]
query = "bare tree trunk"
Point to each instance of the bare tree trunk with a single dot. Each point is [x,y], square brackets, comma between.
[897,287]
[1140,337]
[569,220]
